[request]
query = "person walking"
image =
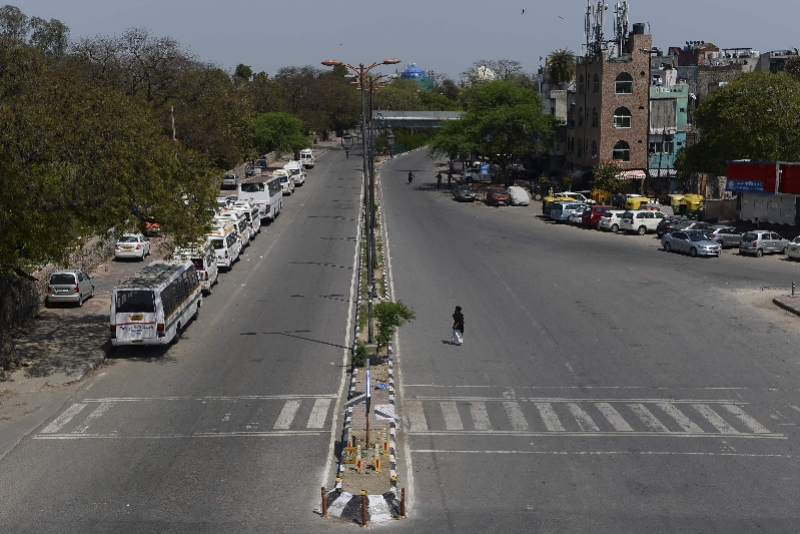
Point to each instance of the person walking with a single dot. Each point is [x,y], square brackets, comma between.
[458,327]
[439,181]
[410,176]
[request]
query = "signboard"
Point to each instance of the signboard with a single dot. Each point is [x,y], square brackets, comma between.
[484,168]
[350,455]
[745,186]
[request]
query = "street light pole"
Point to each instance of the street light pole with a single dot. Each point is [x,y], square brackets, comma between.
[369,196]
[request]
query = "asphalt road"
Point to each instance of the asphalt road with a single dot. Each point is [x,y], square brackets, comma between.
[228,431]
[604,385]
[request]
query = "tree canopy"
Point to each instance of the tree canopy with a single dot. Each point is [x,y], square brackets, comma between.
[502,122]
[561,66]
[756,116]
[280,132]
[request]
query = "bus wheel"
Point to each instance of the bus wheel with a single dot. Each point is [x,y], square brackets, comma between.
[196,313]
[177,335]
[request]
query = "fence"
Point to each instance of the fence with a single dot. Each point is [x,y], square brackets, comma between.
[720,210]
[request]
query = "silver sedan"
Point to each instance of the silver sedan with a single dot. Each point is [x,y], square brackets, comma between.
[692,243]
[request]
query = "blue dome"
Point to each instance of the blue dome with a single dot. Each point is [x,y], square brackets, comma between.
[413,72]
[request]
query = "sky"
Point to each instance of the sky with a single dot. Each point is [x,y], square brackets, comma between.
[445,36]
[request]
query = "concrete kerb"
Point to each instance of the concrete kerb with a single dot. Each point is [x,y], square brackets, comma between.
[788,303]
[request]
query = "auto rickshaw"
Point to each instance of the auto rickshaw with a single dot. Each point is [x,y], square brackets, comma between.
[600,196]
[676,201]
[635,203]
[693,204]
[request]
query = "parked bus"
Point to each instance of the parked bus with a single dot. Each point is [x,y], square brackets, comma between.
[153,306]
[266,194]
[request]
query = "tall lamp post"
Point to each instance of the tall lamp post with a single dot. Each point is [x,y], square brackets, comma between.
[369,198]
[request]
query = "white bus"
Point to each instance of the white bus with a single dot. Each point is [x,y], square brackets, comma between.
[153,306]
[266,194]
[224,239]
[202,255]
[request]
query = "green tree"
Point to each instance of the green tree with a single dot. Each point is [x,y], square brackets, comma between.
[605,176]
[502,122]
[756,116]
[793,67]
[390,316]
[243,73]
[561,66]
[278,132]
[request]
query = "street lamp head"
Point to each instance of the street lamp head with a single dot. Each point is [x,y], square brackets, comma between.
[391,61]
[331,62]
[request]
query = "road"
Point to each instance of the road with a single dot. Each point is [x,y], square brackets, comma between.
[228,431]
[604,385]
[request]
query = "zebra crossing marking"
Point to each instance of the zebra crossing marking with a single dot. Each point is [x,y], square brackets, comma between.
[551,420]
[748,421]
[613,416]
[480,417]
[319,413]
[92,417]
[452,421]
[287,415]
[647,417]
[63,419]
[583,419]
[416,417]
[515,415]
[685,423]
[715,419]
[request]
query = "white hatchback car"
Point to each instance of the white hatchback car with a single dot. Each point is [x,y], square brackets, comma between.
[610,221]
[793,250]
[640,222]
[132,246]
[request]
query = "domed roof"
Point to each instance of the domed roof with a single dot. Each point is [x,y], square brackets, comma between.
[483,74]
[413,72]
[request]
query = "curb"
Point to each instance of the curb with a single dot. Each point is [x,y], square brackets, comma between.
[778,301]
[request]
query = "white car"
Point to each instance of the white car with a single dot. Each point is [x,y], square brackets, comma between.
[640,222]
[132,246]
[297,172]
[518,196]
[793,250]
[610,221]
[287,182]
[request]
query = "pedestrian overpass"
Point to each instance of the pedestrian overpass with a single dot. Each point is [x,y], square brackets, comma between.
[413,119]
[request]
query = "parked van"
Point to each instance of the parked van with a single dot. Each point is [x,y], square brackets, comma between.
[225,240]
[153,306]
[239,220]
[592,214]
[266,194]
[307,158]
[287,183]
[204,258]
[560,211]
[253,215]
[296,171]
[640,222]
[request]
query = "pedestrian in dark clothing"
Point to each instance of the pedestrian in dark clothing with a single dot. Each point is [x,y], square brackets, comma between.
[458,327]
[449,178]
[439,181]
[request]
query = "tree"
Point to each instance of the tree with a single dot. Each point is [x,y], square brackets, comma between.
[502,122]
[793,67]
[390,316]
[605,176]
[756,116]
[561,66]
[278,132]
[243,73]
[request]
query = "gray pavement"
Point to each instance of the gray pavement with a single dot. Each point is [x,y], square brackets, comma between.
[231,430]
[603,386]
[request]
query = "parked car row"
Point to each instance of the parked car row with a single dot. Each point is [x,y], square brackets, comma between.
[677,234]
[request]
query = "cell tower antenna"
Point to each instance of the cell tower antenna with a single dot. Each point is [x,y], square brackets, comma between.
[588,24]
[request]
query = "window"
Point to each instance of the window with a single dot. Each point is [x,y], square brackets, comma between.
[624,84]
[580,116]
[580,150]
[595,118]
[662,146]
[622,118]
[622,151]
[594,150]
[580,85]
[596,84]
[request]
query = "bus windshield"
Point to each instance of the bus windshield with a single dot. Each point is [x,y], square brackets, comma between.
[135,301]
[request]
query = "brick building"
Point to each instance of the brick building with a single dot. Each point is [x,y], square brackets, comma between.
[608,112]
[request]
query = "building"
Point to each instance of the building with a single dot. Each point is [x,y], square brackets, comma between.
[669,104]
[554,98]
[608,116]
[775,61]
[418,76]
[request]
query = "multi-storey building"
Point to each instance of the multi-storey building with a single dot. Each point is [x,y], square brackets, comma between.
[608,112]
[669,103]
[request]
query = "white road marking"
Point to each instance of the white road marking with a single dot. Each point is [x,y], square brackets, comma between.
[563,400]
[287,415]
[613,416]
[583,419]
[97,413]
[378,509]
[685,423]
[319,413]
[488,386]
[243,434]
[416,417]
[748,421]
[549,417]
[715,419]
[480,417]
[516,416]
[561,434]
[452,421]
[648,418]
[63,419]
[606,453]
[337,507]
[226,398]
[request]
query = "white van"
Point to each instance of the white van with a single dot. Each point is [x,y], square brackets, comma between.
[154,305]
[287,182]
[295,169]
[640,222]
[266,194]
[307,158]
[225,240]
[204,258]
[253,214]
[239,220]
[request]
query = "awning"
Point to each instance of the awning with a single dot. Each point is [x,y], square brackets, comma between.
[632,175]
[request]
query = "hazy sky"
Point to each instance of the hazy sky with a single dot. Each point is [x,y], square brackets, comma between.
[445,36]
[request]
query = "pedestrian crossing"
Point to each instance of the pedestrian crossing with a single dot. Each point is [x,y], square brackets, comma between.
[577,417]
[192,417]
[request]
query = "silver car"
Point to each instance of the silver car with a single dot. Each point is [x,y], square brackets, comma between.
[560,211]
[727,236]
[692,243]
[760,242]
[72,285]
